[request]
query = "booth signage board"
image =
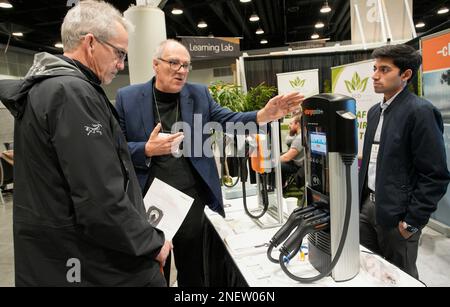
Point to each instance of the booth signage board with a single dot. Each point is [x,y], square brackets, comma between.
[380,20]
[436,72]
[436,52]
[304,81]
[436,88]
[212,47]
[355,80]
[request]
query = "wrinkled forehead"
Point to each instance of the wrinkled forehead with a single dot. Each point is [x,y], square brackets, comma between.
[176,52]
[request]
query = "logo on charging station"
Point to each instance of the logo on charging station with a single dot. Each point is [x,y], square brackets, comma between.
[312,112]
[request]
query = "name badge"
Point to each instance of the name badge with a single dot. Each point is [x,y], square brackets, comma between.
[374,153]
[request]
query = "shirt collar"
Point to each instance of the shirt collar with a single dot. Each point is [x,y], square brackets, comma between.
[385,104]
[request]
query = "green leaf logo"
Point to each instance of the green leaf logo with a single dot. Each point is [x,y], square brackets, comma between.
[297,82]
[356,84]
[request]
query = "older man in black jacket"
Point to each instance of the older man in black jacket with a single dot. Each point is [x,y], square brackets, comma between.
[79,218]
[404,171]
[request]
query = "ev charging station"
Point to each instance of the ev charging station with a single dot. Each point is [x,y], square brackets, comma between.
[330,221]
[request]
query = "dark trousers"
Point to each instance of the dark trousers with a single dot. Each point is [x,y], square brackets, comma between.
[188,246]
[287,169]
[388,242]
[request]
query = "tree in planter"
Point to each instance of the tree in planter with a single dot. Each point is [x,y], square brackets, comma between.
[228,96]
[232,97]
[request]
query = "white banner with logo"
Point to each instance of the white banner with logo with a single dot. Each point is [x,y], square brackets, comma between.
[303,81]
[355,80]
[377,20]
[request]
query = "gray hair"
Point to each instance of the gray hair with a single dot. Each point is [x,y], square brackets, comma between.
[162,46]
[94,17]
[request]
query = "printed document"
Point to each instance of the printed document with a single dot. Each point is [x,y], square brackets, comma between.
[166,207]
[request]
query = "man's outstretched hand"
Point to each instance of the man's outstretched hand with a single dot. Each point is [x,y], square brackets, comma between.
[279,106]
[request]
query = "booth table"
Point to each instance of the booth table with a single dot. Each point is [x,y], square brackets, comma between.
[235,255]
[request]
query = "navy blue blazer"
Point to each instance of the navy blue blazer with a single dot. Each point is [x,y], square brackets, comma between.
[412,174]
[134,105]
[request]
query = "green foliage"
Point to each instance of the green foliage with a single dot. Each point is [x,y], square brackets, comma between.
[356,84]
[228,95]
[258,96]
[232,97]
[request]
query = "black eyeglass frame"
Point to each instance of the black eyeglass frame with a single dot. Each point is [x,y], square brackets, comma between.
[173,64]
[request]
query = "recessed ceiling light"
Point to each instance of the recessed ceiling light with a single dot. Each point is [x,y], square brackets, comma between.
[315,36]
[4,4]
[325,8]
[443,10]
[319,25]
[18,34]
[420,24]
[259,31]
[59,45]
[264,41]
[202,24]
[245,1]
[254,17]
[177,11]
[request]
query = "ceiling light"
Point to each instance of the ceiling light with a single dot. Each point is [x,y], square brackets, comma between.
[420,24]
[202,24]
[259,31]
[315,36]
[443,10]
[210,35]
[59,45]
[319,25]
[264,41]
[325,8]
[254,17]
[4,4]
[245,1]
[18,34]
[177,11]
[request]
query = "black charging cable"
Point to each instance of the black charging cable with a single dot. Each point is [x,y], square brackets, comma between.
[294,220]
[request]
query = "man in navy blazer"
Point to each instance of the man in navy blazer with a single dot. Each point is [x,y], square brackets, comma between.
[147,113]
[404,172]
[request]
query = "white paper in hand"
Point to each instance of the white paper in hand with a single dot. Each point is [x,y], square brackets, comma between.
[166,207]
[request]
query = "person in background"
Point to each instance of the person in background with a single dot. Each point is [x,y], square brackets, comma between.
[79,217]
[404,173]
[292,160]
[147,109]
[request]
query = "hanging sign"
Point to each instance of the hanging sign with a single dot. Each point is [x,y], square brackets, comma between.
[212,47]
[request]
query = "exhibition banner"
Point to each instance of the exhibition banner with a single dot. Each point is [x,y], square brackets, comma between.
[436,52]
[436,89]
[436,71]
[355,80]
[303,81]
[375,21]
[212,47]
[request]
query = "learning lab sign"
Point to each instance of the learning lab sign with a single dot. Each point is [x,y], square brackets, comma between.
[212,47]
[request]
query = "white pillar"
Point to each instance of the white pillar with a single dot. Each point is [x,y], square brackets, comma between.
[149,32]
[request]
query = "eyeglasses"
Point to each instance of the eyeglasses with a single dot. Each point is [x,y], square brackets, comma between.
[120,53]
[176,65]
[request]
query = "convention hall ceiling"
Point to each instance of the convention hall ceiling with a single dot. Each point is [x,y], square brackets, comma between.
[283,21]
